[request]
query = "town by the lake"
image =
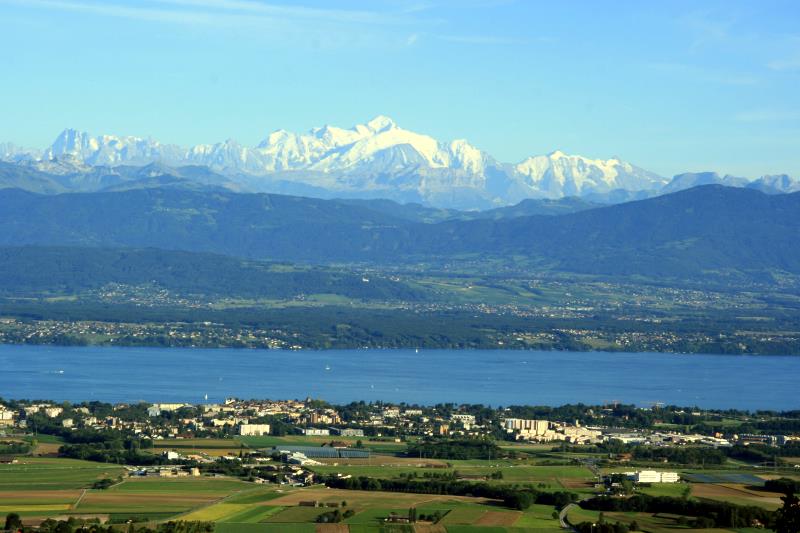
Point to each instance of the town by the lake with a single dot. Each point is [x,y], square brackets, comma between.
[297,465]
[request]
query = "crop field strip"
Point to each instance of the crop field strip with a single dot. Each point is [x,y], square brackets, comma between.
[236,505]
[35,473]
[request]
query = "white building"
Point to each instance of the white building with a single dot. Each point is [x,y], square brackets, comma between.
[297,458]
[254,430]
[466,420]
[651,476]
[169,406]
[348,432]
[670,477]
[53,412]
[220,422]
[315,432]
[529,429]
[6,417]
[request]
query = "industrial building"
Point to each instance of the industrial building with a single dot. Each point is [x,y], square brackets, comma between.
[651,476]
[322,452]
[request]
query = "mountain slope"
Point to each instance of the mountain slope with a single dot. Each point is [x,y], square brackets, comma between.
[21,177]
[26,271]
[695,179]
[690,233]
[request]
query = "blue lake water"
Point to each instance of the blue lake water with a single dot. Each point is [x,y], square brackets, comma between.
[428,377]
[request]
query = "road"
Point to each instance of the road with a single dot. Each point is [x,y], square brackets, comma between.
[562,517]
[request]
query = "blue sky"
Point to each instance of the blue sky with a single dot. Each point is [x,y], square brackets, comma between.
[670,86]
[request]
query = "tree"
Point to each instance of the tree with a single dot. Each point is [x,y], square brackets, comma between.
[627,486]
[64,527]
[13,522]
[518,500]
[788,517]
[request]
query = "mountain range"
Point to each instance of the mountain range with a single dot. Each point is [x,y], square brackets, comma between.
[377,159]
[693,233]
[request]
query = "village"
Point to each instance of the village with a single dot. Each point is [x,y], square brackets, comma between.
[373,422]
[305,462]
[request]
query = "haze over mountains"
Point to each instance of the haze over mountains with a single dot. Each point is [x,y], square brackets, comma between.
[377,159]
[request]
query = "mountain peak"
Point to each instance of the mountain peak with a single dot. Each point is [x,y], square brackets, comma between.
[68,134]
[381,123]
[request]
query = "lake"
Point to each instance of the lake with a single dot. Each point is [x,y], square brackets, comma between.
[424,377]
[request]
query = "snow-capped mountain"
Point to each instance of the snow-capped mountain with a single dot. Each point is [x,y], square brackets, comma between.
[557,175]
[12,153]
[775,184]
[688,180]
[377,159]
[110,150]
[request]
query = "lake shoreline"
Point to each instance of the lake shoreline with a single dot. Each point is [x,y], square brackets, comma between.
[490,348]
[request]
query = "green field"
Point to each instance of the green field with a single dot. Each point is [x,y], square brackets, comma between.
[538,516]
[297,514]
[253,514]
[34,473]
[675,490]
[205,485]
[464,515]
[553,477]
[264,528]
[47,487]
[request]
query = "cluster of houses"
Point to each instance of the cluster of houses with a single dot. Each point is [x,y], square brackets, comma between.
[255,418]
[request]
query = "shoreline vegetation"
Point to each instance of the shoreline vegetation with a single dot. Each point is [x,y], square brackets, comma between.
[20,331]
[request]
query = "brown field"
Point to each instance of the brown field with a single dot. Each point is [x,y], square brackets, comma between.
[333,528]
[210,447]
[39,496]
[429,528]
[49,449]
[498,518]
[575,483]
[736,493]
